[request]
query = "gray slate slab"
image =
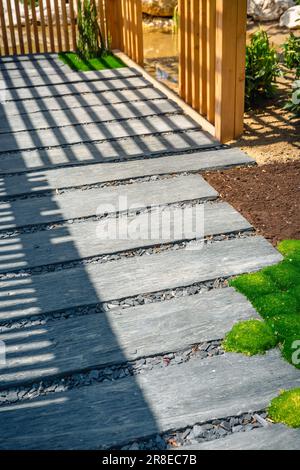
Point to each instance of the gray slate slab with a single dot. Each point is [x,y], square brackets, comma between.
[34,182]
[105,339]
[33,70]
[21,108]
[55,137]
[94,283]
[9,82]
[162,400]
[98,113]
[63,89]
[275,437]
[100,201]
[105,151]
[91,238]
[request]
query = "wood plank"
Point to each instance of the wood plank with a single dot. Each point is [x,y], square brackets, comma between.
[3,29]
[90,238]
[106,200]
[98,114]
[17,108]
[81,133]
[211,60]
[132,408]
[35,26]
[274,437]
[11,27]
[28,37]
[10,82]
[34,182]
[74,88]
[43,25]
[131,148]
[96,283]
[50,26]
[139,332]
[19,26]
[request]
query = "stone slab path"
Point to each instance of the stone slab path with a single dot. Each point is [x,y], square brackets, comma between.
[114,260]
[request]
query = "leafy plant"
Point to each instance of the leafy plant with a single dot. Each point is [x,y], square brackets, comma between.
[294,104]
[291,50]
[90,39]
[262,68]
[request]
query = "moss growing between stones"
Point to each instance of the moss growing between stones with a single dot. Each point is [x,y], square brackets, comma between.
[275,293]
[250,337]
[286,408]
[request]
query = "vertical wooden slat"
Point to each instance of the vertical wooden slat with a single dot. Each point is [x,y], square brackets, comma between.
[187,52]
[181,47]
[240,67]
[195,52]
[19,27]
[43,26]
[11,27]
[211,60]
[50,26]
[28,28]
[128,42]
[101,20]
[226,33]
[65,25]
[133,31]
[57,26]
[3,29]
[73,25]
[35,26]
[123,14]
[203,57]
[139,29]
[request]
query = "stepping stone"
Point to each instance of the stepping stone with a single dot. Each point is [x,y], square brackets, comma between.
[275,437]
[139,407]
[110,200]
[92,238]
[133,147]
[17,108]
[97,114]
[56,137]
[79,87]
[121,335]
[77,176]
[96,283]
[9,82]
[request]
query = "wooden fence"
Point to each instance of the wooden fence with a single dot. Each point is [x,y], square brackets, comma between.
[212,42]
[38,26]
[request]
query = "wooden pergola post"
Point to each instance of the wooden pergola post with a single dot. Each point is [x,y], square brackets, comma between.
[230,68]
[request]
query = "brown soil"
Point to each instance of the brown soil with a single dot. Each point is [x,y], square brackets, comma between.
[267,195]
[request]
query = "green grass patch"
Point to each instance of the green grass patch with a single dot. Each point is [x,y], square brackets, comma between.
[275,293]
[75,62]
[286,408]
[250,337]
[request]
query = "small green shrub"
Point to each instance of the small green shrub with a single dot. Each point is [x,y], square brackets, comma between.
[250,337]
[291,52]
[262,68]
[294,104]
[286,408]
[90,40]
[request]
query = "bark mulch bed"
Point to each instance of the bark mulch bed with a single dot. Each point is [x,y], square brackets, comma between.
[267,195]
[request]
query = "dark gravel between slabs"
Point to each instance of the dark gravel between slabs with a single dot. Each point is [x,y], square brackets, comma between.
[268,196]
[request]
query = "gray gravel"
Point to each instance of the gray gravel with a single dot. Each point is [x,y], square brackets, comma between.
[154,297]
[211,430]
[124,254]
[110,373]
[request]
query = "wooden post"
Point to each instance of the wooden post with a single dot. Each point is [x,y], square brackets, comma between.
[230,67]
[114,23]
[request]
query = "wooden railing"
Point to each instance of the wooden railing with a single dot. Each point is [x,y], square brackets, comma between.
[29,27]
[212,39]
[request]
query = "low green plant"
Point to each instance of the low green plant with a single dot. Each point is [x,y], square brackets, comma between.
[291,54]
[293,105]
[250,337]
[286,408]
[275,293]
[262,68]
[90,39]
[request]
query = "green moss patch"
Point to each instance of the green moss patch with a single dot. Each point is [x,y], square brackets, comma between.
[250,337]
[275,293]
[286,408]
[75,62]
